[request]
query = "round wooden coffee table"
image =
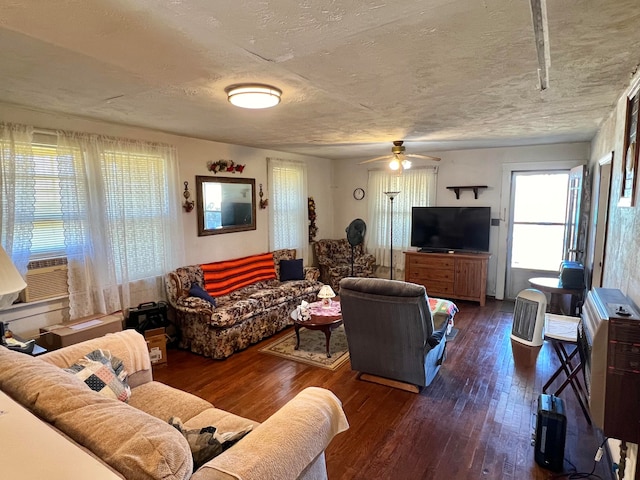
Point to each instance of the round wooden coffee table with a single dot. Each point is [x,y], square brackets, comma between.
[325,320]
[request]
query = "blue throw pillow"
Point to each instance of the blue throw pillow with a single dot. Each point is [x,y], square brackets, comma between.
[291,270]
[197,291]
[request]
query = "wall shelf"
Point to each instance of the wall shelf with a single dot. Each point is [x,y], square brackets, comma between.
[475,189]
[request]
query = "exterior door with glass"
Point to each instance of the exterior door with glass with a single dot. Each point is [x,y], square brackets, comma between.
[537,224]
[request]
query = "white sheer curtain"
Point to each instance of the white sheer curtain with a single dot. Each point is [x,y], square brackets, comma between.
[417,188]
[120,217]
[17,193]
[288,213]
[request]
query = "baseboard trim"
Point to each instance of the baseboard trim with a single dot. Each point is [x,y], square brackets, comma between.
[407,387]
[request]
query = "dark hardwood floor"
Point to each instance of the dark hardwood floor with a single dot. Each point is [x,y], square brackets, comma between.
[474,421]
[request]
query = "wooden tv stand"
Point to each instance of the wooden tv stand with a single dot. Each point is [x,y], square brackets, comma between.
[449,275]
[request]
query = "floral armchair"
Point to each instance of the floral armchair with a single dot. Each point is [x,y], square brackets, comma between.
[334,261]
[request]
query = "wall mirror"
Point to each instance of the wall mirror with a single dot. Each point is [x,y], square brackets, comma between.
[225,205]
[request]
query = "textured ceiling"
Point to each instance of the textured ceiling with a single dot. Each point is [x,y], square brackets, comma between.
[440,74]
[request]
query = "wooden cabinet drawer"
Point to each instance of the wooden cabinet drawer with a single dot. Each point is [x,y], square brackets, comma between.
[435,288]
[431,262]
[417,274]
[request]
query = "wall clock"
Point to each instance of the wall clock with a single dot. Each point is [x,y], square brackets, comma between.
[358,194]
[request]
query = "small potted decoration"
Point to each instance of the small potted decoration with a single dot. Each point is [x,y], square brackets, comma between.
[224,166]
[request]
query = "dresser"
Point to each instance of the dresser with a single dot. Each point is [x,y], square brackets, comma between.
[461,276]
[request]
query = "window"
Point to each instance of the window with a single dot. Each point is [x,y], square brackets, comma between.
[288,205]
[416,187]
[106,204]
[539,220]
[48,229]
[137,210]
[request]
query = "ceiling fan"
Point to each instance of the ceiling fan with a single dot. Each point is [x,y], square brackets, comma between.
[399,158]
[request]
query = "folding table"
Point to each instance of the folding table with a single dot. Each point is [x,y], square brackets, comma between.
[562,330]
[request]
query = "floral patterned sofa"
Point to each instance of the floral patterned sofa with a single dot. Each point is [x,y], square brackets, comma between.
[334,260]
[241,317]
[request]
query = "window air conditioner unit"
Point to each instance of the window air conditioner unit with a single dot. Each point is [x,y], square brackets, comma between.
[45,279]
[528,317]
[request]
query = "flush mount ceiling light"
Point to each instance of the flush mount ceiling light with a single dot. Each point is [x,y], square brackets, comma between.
[254,95]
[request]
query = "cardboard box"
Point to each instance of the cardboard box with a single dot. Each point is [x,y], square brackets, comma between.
[69,333]
[157,343]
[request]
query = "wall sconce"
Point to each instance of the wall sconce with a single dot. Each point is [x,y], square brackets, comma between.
[263,203]
[187,205]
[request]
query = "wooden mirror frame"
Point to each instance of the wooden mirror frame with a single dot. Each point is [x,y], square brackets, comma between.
[202,182]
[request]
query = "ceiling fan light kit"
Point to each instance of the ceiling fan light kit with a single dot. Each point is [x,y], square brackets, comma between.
[253,95]
[399,158]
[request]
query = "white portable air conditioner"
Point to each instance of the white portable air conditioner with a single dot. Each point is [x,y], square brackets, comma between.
[528,317]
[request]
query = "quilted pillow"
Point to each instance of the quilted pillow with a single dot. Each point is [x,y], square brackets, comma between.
[291,270]
[103,373]
[206,443]
[197,291]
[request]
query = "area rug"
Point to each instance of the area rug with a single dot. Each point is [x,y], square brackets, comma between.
[312,348]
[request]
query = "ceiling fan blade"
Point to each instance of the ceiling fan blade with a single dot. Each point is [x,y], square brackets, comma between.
[377,159]
[425,157]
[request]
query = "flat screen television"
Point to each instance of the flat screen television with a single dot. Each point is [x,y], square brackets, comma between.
[462,229]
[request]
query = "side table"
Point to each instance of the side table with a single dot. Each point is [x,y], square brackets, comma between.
[323,319]
[556,290]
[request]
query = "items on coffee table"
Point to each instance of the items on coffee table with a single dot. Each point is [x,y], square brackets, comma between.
[326,294]
[325,319]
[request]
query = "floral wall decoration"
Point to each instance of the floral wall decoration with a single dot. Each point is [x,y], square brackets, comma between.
[313,229]
[224,166]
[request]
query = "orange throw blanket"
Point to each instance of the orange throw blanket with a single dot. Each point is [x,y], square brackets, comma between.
[222,278]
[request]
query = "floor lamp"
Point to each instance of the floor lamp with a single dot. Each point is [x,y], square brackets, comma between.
[392,196]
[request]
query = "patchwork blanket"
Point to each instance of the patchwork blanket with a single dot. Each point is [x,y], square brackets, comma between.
[442,312]
[439,305]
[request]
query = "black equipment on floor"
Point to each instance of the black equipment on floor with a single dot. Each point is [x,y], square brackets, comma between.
[147,316]
[551,431]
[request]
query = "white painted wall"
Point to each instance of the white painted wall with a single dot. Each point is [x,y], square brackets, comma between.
[622,256]
[193,155]
[458,167]
[622,252]
[331,183]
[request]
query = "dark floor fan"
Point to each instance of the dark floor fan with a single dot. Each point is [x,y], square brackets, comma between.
[355,236]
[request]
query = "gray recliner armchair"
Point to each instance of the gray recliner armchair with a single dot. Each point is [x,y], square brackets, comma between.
[390,331]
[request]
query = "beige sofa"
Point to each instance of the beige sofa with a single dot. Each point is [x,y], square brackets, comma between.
[135,439]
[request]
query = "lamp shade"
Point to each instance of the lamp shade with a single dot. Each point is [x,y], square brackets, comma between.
[11,282]
[326,292]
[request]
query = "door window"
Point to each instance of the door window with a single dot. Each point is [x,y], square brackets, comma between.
[539,211]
